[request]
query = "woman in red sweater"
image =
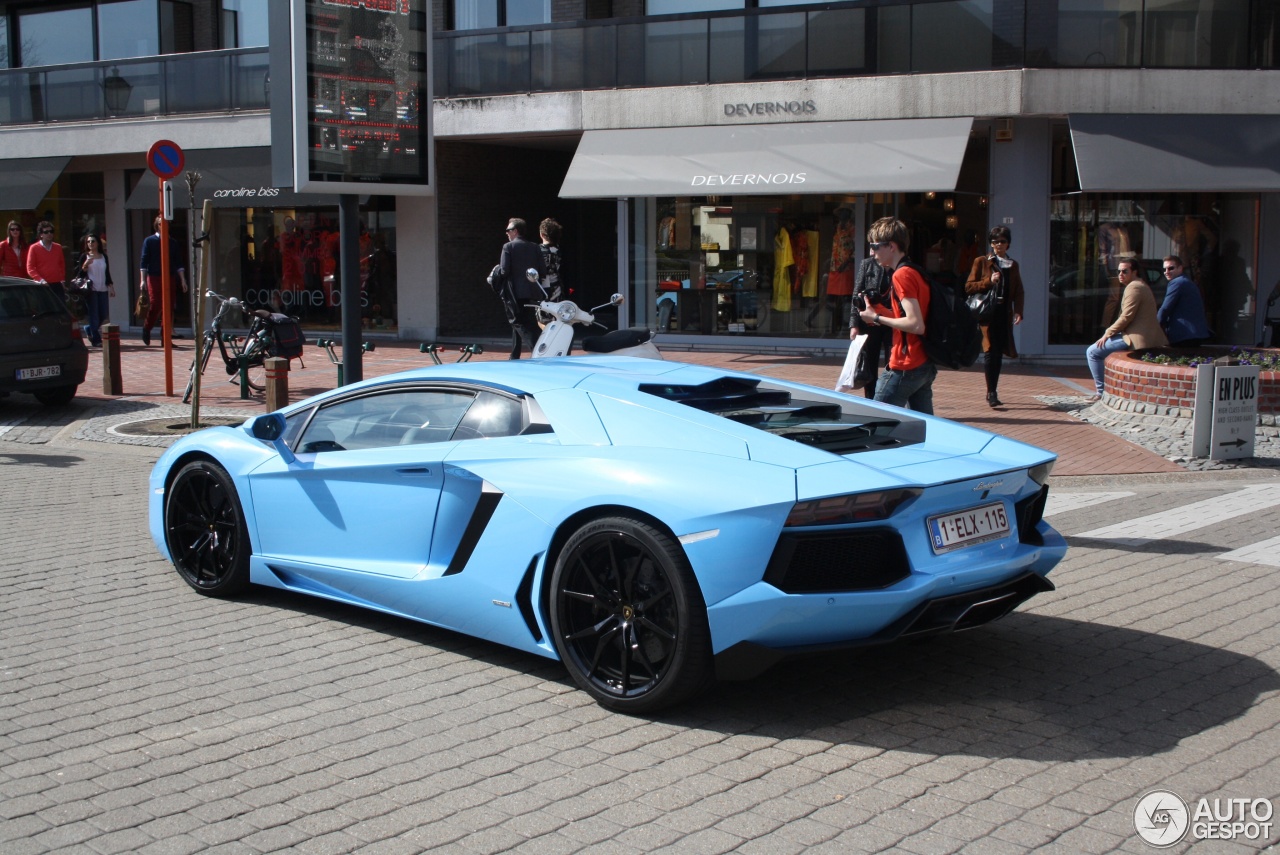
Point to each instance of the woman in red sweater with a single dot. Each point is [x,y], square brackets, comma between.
[13,252]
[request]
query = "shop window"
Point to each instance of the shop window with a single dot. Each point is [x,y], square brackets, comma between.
[288,260]
[1091,233]
[762,265]
[4,41]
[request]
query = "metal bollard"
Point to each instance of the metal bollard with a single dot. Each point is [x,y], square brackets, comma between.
[112,379]
[432,350]
[464,353]
[328,344]
[277,382]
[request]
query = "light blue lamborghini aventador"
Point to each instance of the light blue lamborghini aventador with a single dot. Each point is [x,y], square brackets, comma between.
[653,525]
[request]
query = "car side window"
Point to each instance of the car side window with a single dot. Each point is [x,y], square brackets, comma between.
[491,416]
[392,418]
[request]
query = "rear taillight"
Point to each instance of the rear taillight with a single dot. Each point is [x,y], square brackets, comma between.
[76,332]
[855,507]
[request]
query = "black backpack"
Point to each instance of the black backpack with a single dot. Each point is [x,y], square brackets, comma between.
[951,335]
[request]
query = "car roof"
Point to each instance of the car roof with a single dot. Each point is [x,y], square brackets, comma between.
[541,375]
[13,280]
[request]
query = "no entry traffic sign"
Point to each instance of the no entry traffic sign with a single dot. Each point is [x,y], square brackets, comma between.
[165,159]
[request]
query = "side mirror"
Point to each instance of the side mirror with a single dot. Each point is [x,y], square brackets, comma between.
[617,300]
[270,428]
[532,275]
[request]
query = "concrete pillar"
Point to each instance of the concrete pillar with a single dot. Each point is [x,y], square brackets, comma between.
[1020,189]
[418,268]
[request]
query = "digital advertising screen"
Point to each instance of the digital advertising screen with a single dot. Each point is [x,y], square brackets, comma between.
[362,96]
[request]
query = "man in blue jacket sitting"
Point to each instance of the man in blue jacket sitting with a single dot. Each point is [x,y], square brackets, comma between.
[1182,312]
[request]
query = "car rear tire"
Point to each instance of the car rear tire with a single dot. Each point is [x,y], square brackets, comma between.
[628,617]
[205,530]
[56,397]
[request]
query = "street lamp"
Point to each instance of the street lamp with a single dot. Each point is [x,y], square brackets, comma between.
[116,90]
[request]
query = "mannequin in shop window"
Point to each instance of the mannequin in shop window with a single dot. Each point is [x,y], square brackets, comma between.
[800,255]
[783,261]
[840,276]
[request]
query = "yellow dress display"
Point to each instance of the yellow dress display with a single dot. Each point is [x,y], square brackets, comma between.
[782,261]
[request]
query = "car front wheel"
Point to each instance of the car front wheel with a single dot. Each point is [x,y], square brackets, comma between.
[205,530]
[628,618]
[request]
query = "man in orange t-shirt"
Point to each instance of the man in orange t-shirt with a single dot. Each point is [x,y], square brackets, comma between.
[909,380]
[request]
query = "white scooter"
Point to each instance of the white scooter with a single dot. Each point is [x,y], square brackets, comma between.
[560,317]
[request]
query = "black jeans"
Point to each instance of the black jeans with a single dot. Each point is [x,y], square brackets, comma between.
[997,340]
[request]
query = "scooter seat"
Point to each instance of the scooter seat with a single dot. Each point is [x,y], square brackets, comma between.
[615,340]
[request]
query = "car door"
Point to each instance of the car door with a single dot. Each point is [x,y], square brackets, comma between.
[363,492]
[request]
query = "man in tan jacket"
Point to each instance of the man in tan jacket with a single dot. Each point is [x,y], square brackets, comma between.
[1136,327]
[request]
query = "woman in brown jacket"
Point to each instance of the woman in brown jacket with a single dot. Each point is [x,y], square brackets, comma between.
[1000,273]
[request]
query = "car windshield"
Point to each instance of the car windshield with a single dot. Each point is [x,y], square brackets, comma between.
[27,301]
[835,423]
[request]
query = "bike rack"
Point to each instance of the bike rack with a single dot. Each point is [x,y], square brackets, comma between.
[464,353]
[242,368]
[329,344]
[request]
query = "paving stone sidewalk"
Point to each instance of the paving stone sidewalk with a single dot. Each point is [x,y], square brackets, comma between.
[138,716]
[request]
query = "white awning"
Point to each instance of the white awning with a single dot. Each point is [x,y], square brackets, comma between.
[24,182]
[1125,153]
[886,156]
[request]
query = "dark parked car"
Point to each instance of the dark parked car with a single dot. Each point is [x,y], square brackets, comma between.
[41,348]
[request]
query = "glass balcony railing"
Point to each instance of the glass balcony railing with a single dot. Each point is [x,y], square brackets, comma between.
[207,82]
[841,39]
[858,38]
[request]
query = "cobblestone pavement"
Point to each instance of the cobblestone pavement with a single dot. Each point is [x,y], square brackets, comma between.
[138,716]
[1170,437]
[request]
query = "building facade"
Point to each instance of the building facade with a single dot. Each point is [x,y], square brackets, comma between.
[715,162]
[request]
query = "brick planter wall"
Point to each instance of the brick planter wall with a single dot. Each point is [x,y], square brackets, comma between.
[1128,378]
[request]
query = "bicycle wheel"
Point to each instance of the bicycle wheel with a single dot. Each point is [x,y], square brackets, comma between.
[191,375]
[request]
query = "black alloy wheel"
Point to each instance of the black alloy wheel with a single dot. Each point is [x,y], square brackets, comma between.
[628,618]
[205,530]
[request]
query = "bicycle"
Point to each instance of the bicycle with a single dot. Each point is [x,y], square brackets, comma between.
[253,347]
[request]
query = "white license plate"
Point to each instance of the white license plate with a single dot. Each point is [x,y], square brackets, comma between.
[37,373]
[963,528]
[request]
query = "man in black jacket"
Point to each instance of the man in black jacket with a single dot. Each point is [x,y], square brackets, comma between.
[518,255]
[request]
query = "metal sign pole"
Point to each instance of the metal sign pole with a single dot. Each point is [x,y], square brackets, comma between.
[349,238]
[166,298]
[197,300]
